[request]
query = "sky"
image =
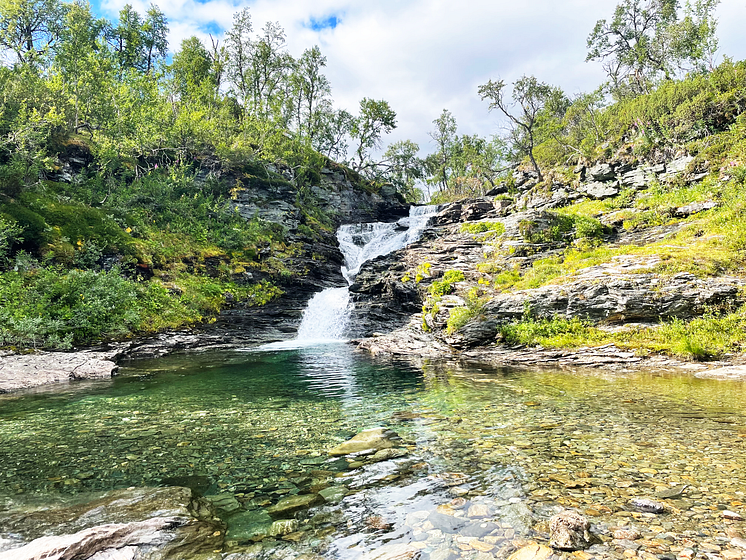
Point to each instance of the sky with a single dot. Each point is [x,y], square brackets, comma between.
[423,56]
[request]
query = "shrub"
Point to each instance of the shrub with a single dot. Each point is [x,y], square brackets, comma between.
[445,285]
[10,233]
[50,307]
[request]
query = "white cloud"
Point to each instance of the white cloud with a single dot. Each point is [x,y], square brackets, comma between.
[426,55]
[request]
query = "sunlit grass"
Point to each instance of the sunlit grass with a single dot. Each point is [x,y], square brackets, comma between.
[707,337]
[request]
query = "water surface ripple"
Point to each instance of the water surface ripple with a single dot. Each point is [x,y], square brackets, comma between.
[498,451]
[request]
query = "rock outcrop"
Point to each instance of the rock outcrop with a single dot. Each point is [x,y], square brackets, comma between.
[398,309]
[22,371]
[640,298]
[155,523]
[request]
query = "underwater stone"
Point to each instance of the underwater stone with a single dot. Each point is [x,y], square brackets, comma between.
[333,494]
[375,438]
[291,504]
[569,531]
[647,506]
[532,552]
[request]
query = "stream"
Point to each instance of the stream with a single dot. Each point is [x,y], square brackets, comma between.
[485,457]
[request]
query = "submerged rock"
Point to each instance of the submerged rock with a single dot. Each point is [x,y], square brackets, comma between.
[392,552]
[373,439]
[249,525]
[291,504]
[532,552]
[333,494]
[569,531]
[647,506]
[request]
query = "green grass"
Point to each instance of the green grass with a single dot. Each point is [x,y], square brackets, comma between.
[445,286]
[459,316]
[703,338]
[494,229]
[710,243]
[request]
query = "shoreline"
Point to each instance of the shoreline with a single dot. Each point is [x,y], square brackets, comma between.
[414,343]
[20,371]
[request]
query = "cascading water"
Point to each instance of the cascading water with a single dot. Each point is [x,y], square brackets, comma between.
[325,319]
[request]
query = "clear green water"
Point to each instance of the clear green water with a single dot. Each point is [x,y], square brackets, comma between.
[258,425]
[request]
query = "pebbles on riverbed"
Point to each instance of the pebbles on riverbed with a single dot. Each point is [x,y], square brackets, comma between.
[485,459]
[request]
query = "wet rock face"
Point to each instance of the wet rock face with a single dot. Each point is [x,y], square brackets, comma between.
[569,531]
[155,523]
[334,194]
[382,301]
[337,196]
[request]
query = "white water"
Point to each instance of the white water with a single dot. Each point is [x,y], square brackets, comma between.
[328,312]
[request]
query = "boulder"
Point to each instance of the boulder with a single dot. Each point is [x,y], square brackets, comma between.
[21,371]
[155,523]
[678,165]
[638,178]
[569,531]
[599,191]
[694,208]
[476,210]
[500,188]
[618,299]
[450,214]
[602,172]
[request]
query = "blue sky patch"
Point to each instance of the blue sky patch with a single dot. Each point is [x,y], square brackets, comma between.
[328,22]
[211,27]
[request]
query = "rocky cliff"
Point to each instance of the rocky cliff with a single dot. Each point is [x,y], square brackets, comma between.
[583,254]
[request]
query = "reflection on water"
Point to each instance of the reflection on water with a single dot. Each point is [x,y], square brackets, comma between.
[511,446]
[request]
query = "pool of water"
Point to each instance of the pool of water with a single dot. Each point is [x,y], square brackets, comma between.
[499,451]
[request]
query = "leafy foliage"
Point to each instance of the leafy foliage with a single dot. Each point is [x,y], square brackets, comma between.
[645,40]
[533,100]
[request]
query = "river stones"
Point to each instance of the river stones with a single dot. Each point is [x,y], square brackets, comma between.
[446,523]
[289,505]
[647,506]
[374,439]
[333,494]
[249,525]
[392,552]
[627,534]
[283,527]
[225,502]
[388,454]
[671,493]
[569,531]
[479,510]
[478,530]
[532,552]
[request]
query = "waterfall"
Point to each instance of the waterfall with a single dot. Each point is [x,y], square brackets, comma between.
[325,319]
